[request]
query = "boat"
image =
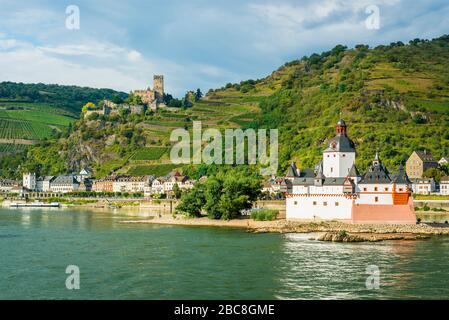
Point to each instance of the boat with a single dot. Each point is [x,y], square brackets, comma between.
[35,204]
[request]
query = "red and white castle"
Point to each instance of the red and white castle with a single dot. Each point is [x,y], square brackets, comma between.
[336,191]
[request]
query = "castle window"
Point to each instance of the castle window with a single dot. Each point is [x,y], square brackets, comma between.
[364,189]
[337,204]
[325,204]
[332,169]
[314,203]
[375,188]
[296,203]
[386,189]
[400,189]
[376,199]
[344,155]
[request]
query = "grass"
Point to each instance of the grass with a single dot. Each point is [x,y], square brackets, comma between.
[157,170]
[430,197]
[264,215]
[153,153]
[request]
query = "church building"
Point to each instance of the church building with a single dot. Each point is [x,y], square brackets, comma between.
[336,190]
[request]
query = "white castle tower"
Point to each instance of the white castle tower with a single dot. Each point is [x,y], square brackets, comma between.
[29,181]
[339,157]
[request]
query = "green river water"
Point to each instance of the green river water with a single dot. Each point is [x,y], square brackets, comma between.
[129,261]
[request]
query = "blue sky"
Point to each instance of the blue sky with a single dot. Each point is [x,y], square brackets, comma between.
[195,43]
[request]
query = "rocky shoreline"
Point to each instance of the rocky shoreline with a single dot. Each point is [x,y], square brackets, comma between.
[328,230]
[344,232]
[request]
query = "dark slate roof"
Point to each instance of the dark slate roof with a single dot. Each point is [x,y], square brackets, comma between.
[377,173]
[307,173]
[303,181]
[334,181]
[69,179]
[401,176]
[425,156]
[353,172]
[292,170]
[341,143]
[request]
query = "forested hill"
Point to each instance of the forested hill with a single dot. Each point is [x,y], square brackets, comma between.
[69,98]
[394,98]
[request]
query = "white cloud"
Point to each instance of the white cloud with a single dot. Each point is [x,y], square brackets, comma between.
[134,56]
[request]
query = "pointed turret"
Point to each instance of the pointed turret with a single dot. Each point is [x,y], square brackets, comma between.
[292,171]
[401,177]
[320,177]
[353,172]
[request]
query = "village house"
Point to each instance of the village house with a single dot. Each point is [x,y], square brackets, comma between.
[43,183]
[156,187]
[84,174]
[8,186]
[418,163]
[444,186]
[130,184]
[443,161]
[182,181]
[274,185]
[64,184]
[424,186]
[103,185]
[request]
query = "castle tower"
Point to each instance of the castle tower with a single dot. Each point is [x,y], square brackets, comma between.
[29,181]
[339,157]
[158,87]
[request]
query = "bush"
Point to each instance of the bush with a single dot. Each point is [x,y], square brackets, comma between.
[343,234]
[264,215]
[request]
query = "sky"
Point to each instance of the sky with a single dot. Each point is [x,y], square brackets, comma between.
[196,43]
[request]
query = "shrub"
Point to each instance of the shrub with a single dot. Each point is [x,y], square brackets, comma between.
[342,234]
[264,215]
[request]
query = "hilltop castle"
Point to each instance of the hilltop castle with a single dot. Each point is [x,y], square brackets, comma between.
[337,191]
[152,97]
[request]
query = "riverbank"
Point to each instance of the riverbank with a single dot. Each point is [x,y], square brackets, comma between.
[362,232]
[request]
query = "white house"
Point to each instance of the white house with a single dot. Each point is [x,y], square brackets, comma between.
[337,191]
[444,186]
[43,183]
[64,184]
[443,161]
[424,186]
[130,184]
[8,185]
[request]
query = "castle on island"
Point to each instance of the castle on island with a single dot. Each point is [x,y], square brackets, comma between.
[336,191]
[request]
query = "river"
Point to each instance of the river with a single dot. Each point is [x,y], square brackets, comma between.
[129,261]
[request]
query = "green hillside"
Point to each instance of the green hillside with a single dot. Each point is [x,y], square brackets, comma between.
[394,98]
[30,113]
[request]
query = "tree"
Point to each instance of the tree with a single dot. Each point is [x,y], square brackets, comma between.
[224,195]
[88,106]
[176,191]
[435,173]
[198,95]
[192,201]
